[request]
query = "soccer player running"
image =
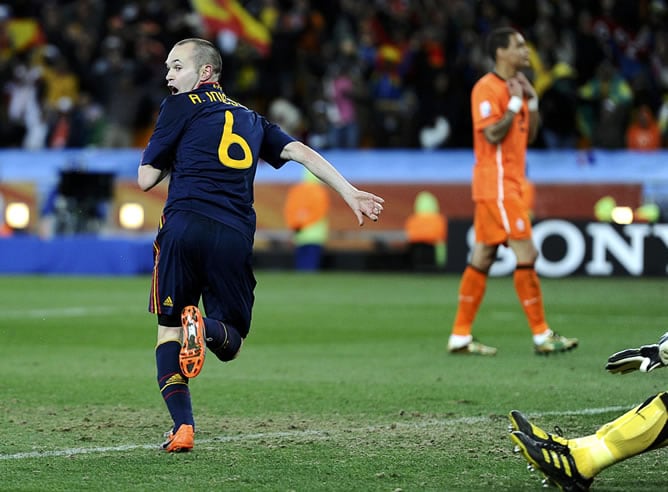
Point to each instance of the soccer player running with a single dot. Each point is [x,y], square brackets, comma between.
[571,464]
[210,145]
[504,109]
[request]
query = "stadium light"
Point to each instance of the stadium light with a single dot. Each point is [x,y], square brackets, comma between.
[622,215]
[17,215]
[131,216]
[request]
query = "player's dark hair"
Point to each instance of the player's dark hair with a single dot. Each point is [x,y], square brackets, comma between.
[205,53]
[498,38]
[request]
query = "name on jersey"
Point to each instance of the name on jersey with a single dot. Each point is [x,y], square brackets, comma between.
[212,96]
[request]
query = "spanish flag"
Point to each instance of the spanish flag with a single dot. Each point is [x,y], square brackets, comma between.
[230,15]
[22,34]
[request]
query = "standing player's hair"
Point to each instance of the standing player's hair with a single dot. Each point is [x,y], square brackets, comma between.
[205,53]
[498,38]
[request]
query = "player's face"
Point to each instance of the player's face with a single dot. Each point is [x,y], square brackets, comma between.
[518,51]
[182,74]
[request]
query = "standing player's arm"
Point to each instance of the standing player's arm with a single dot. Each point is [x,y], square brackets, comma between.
[534,120]
[148,176]
[362,203]
[496,132]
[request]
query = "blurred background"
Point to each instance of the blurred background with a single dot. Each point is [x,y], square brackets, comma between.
[380,87]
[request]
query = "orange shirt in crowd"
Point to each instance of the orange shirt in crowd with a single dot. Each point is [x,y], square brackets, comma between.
[499,169]
[306,203]
[644,132]
[426,228]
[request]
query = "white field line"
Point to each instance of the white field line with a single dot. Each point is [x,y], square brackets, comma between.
[313,434]
[568,317]
[83,311]
[61,312]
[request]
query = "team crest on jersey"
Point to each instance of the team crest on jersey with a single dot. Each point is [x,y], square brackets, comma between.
[168,302]
[485,109]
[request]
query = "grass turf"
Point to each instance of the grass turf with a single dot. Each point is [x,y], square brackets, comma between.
[343,384]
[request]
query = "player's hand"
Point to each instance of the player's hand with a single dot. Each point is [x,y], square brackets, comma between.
[527,89]
[643,359]
[514,87]
[365,204]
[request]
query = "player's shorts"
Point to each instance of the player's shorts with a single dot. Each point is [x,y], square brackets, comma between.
[194,257]
[495,222]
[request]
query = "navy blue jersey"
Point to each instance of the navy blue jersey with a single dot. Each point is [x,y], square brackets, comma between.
[211,145]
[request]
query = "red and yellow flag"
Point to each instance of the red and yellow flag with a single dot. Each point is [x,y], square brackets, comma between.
[21,35]
[230,15]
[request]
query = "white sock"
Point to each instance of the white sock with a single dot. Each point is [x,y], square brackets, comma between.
[459,341]
[541,337]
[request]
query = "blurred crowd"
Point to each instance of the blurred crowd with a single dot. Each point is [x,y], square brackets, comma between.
[338,73]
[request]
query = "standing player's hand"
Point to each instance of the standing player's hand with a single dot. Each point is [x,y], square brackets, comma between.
[643,359]
[514,87]
[527,89]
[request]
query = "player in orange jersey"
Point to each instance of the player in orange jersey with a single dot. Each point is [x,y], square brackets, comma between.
[504,108]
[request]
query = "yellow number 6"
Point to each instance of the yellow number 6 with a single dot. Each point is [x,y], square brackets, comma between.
[227,140]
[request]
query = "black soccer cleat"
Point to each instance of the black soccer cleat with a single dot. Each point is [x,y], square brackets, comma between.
[554,460]
[518,422]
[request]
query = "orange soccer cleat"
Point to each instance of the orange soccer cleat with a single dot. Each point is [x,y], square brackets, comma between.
[193,346]
[180,442]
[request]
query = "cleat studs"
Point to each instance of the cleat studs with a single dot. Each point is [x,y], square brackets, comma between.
[516,449]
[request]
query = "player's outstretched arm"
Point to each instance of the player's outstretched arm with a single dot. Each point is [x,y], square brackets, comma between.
[643,359]
[361,202]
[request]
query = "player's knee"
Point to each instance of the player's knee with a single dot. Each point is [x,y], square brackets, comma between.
[168,334]
[482,258]
[229,350]
[169,329]
[525,252]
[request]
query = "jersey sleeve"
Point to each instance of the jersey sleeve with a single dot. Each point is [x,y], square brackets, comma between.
[485,107]
[171,122]
[273,143]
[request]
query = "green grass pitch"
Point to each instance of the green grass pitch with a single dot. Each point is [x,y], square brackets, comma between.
[343,385]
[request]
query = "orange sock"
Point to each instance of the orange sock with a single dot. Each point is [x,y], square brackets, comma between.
[528,291]
[471,291]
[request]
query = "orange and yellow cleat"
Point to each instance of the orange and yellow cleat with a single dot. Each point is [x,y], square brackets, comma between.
[193,346]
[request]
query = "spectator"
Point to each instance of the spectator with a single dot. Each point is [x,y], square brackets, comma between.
[286,115]
[343,91]
[602,114]
[59,80]
[118,93]
[643,133]
[558,109]
[305,213]
[26,126]
[427,232]
[391,101]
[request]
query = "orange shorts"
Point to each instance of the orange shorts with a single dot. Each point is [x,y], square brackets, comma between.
[495,222]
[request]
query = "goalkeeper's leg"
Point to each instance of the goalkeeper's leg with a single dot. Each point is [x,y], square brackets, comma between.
[642,429]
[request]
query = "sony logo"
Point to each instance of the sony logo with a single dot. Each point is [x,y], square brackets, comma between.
[596,249]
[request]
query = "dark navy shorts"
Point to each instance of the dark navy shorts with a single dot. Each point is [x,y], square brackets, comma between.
[194,257]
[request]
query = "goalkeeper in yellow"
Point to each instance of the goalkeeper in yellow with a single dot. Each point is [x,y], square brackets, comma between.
[572,464]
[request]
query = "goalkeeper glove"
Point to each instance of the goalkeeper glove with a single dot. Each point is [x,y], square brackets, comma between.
[643,359]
